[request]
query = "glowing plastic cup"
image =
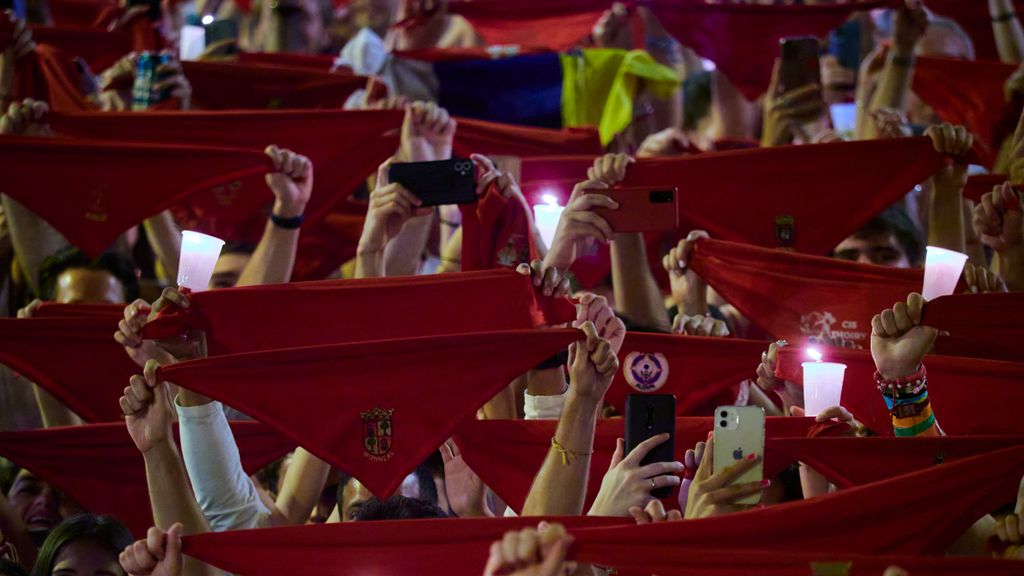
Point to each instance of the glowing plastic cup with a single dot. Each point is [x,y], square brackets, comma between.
[547,216]
[942,270]
[199,254]
[823,386]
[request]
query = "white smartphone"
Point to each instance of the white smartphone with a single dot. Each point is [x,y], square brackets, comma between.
[739,432]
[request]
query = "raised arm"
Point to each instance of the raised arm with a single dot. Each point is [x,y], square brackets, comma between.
[946,216]
[894,83]
[1008,31]
[391,207]
[561,484]
[292,184]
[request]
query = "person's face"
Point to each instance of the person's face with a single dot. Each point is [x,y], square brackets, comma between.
[228,270]
[85,557]
[82,286]
[883,250]
[356,495]
[35,501]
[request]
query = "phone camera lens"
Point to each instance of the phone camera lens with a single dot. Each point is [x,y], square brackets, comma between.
[724,423]
[724,413]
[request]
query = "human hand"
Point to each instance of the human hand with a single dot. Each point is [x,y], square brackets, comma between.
[713,494]
[530,552]
[999,219]
[129,335]
[837,414]
[592,365]
[159,554]
[668,142]
[956,142]
[1010,528]
[291,181]
[981,280]
[595,309]
[691,462]
[146,405]
[547,279]
[610,168]
[579,226]
[891,123]
[127,17]
[26,119]
[613,29]
[506,183]
[466,492]
[791,394]
[172,81]
[898,340]
[699,326]
[21,37]
[390,207]
[427,133]
[654,513]
[628,484]
[188,346]
[909,27]
[689,290]
[785,114]
[29,311]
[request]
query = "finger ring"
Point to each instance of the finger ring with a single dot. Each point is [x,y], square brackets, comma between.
[653,485]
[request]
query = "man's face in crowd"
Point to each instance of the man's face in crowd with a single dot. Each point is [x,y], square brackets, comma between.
[80,285]
[882,250]
[356,495]
[35,501]
[228,270]
[86,557]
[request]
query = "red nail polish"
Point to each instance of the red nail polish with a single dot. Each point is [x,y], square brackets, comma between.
[711,434]
[751,456]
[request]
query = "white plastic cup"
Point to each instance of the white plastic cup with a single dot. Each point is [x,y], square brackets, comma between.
[942,270]
[547,216]
[199,254]
[823,386]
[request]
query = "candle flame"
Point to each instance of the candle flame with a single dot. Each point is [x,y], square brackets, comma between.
[814,354]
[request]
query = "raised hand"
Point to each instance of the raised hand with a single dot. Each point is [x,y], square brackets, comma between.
[953,141]
[466,492]
[891,123]
[785,113]
[578,226]
[21,37]
[186,347]
[713,494]
[391,206]
[546,279]
[1010,528]
[506,183]
[29,311]
[836,413]
[669,142]
[26,119]
[613,29]
[530,552]
[159,554]
[628,484]
[595,309]
[428,132]
[999,219]
[898,341]
[689,290]
[592,365]
[146,405]
[129,335]
[610,168]
[291,181]
[791,394]
[699,326]
[910,26]
[653,513]
[981,280]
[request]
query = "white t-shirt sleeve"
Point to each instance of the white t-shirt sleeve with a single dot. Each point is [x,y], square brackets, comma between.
[544,407]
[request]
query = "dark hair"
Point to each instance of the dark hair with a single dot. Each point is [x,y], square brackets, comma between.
[118,265]
[895,221]
[105,530]
[424,477]
[399,508]
[10,568]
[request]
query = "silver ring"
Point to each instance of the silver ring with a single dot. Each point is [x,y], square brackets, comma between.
[653,485]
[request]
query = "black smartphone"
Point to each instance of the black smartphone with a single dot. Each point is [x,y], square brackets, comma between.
[648,415]
[220,30]
[800,65]
[154,7]
[438,183]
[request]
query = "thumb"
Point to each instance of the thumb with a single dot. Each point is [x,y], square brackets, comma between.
[797,411]
[172,551]
[619,454]
[552,564]
[1019,509]
[382,174]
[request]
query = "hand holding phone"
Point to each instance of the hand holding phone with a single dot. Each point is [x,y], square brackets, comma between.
[739,436]
[437,183]
[800,63]
[640,209]
[648,415]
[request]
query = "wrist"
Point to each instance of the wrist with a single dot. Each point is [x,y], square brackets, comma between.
[287,209]
[159,448]
[899,373]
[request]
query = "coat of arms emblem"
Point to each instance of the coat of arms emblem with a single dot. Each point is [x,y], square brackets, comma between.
[377,434]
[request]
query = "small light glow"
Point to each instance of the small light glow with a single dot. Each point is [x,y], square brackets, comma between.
[814,354]
[549,199]
[208,19]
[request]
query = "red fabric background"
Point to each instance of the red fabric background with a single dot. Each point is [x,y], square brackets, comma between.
[989,323]
[232,85]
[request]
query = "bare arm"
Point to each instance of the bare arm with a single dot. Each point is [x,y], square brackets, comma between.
[636,294]
[303,484]
[945,220]
[1008,31]
[894,83]
[165,239]
[53,411]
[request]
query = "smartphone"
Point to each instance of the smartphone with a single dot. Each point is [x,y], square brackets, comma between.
[641,209]
[739,432]
[438,183]
[648,415]
[800,65]
[18,7]
[154,7]
[220,30]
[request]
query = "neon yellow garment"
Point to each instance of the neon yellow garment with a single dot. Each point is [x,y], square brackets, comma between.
[598,87]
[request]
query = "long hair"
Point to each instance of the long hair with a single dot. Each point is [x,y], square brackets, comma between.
[105,530]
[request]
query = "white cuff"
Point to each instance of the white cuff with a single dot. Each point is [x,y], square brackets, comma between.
[544,407]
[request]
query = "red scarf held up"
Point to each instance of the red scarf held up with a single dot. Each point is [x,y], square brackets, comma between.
[961,390]
[83,13]
[794,296]
[981,184]
[321,62]
[496,232]
[497,139]
[97,192]
[373,409]
[99,48]
[50,75]
[868,520]
[807,198]
[57,310]
[99,467]
[553,24]
[74,358]
[976,20]
[702,373]
[989,323]
[507,454]
[237,86]
[271,317]
[970,93]
[743,39]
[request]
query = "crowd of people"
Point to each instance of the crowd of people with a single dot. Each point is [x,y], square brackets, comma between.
[363,353]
